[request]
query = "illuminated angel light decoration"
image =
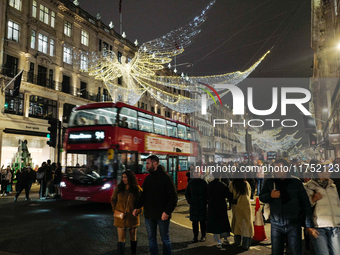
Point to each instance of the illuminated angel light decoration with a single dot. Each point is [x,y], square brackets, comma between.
[268,140]
[142,73]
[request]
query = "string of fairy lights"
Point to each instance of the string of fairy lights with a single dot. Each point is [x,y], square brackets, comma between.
[144,72]
[268,140]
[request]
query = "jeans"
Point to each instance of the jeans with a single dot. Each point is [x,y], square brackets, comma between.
[203,225]
[42,189]
[259,185]
[151,229]
[328,242]
[294,239]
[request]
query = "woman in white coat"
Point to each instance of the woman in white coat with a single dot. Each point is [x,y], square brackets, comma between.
[242,223]
[324,196]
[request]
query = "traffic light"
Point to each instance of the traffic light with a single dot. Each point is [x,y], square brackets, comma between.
[53,128]
[312,140]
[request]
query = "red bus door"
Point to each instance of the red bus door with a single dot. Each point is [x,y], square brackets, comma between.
[173,168]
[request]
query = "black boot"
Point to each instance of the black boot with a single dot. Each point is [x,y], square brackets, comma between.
[120,248]
[133,247]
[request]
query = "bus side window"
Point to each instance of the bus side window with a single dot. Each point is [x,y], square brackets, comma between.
[128,118]
[182,132]
[159,125]
[171,129]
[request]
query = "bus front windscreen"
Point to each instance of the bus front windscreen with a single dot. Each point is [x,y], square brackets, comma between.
[90,166]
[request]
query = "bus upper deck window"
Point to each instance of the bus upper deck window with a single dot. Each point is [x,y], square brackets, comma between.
[128,118]
[159,125]
[182,132]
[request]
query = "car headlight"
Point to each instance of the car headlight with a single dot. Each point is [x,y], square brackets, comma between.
[62,184]
[106,186]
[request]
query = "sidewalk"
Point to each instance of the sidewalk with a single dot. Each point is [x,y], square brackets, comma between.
[34,195]
[180,216]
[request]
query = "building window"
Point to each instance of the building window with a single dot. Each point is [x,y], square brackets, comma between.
[152,109]
[14,105]
[52,19]
[51,47]
[120,57]
[34,9]
[30,74]
[33,39]
[67,111]
[67,55]
[84,62]
[66,84]
[44,16]
[42,43]
[100,45]
[13,31]
[83,92]
[142,106]
[105,46]
[42,108]
[67,28]
[84,38]
[119,81]
[50,80]
[105,95]
[158,111]
[15,4]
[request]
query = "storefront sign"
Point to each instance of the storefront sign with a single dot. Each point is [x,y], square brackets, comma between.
[166,145]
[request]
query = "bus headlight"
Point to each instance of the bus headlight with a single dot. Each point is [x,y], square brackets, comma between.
[106,186]
[62,184]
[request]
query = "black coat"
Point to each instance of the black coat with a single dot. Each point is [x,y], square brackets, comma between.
[159,195]
[218,221]
[196,195]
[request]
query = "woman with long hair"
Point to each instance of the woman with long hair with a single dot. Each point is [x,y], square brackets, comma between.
[123,200]
[241,224]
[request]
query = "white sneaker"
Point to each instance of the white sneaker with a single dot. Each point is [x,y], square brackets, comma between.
[219,246]
[15,199]
[2,194]
[5,194]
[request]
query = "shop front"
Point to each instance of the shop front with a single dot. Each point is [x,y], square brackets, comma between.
[24,142]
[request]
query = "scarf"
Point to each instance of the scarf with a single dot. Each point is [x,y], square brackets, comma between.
[281,186]
[323,184]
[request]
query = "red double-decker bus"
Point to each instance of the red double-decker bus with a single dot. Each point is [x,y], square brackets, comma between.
[105,139]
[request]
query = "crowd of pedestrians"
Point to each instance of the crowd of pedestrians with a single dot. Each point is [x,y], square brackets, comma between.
[47,176]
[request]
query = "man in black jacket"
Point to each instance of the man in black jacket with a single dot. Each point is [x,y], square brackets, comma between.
[159,199]
[287,198]
[24,183]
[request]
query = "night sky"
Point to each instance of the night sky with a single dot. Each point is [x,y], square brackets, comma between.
[234,36]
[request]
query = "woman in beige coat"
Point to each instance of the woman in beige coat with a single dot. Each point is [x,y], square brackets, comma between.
[241,224]
[123,200]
